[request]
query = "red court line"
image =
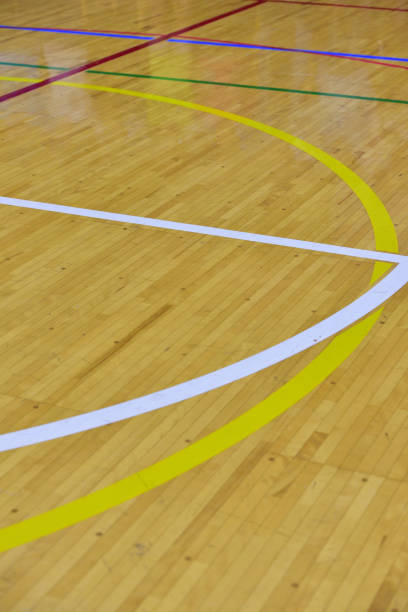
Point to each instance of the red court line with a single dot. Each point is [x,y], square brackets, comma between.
[109,58]
[368,61]
[156,34]
[337,5]
[121,32]
[354,59]
[329,54]
[204,39]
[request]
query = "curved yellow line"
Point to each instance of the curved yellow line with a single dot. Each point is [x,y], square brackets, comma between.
[258,416]
[384,232]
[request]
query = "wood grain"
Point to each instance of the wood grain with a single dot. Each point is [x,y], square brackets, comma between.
[308,514]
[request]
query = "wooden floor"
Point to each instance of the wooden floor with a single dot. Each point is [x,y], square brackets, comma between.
[285,490]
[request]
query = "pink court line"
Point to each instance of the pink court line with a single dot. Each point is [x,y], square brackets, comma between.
[338,5]
[119,54]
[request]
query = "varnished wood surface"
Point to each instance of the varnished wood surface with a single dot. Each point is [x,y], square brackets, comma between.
[308,514]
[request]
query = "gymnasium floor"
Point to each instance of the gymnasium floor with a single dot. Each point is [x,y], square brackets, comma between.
[204,315]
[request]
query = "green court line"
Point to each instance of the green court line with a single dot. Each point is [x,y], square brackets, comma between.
[219,83]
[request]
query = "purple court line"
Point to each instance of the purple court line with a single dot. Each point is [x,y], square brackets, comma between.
[109,58]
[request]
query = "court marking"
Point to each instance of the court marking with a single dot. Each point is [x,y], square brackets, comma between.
[205,230]
[367,61]
[177,464]
[371,202]
[298,343]
[220,83]
[206,42]
[338,5]
[261,414]
[124,52]
[78,32]
[159,399]
[288,49]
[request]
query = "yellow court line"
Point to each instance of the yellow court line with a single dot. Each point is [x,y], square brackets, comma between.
[261,414]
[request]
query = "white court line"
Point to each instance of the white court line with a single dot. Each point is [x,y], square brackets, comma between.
[207,231]
[333,324]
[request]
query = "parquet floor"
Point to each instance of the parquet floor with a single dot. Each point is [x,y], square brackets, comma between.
[203,298]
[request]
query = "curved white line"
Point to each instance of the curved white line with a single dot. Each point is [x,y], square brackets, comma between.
[333,324]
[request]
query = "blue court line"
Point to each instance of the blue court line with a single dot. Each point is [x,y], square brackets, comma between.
[210,43]
[80,32]
[270,48]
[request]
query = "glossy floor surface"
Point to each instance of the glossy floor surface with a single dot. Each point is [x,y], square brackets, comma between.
[195,414]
